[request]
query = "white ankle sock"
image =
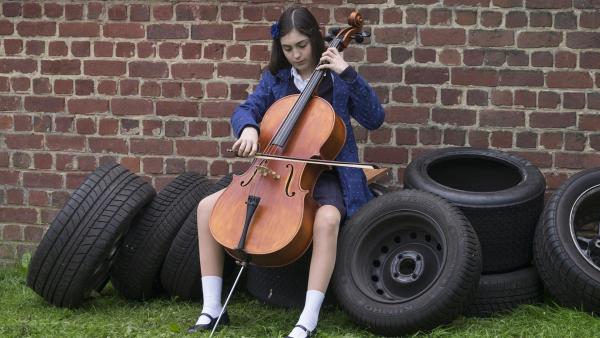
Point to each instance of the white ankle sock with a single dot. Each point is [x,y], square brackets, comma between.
[211,294]
[310,314]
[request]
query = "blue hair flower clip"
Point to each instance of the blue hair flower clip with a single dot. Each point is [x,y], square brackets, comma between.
[275,30]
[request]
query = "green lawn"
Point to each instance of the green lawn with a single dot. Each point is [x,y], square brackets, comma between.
[24,314]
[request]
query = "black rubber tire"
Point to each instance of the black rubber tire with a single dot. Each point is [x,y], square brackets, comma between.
[571,276]
[502,195]
[282,286]
[407,261]
[286,286]
[180,274]
[499,293]
[136,273]
[76,253]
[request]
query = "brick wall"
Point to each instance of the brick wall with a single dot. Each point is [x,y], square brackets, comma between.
[152,85]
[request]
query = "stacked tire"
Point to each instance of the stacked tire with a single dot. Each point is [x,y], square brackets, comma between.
[567,242]
[502,195]
[115,227]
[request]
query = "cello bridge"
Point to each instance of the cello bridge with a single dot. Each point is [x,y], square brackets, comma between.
[264,171]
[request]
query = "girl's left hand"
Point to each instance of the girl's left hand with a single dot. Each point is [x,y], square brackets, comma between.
[332,60]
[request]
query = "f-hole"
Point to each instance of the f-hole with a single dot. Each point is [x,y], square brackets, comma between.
[289,180]
[243,184]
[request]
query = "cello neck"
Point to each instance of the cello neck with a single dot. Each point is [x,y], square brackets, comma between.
[284,132]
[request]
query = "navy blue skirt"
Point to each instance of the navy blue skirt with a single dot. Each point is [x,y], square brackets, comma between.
[329,192]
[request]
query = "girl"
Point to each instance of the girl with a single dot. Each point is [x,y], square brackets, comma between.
[297,50]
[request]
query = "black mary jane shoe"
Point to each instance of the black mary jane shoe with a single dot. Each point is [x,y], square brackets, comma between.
[209,326]
[309,333]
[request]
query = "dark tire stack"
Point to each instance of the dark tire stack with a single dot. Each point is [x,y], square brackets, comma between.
[567,242]
[76,254]
[502,195]
[115,227]
[180,273]
[407,261]
[136,274]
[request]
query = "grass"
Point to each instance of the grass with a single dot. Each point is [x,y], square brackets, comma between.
[24,314]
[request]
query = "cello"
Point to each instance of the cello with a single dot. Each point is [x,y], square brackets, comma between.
[265,216]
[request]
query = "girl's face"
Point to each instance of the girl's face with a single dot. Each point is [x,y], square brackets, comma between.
[298,51]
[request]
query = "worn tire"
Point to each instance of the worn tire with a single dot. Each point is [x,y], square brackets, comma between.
[502,292]
[180,274]
[136,273]
[567,242]
[78,250]
[407,261]
[501,194]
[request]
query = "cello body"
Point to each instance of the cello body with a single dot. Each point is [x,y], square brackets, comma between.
[280,229]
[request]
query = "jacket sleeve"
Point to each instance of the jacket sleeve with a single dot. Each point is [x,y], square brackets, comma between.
[251,112]
[364,103]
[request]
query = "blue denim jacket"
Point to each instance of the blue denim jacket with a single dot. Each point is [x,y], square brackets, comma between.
[350,99]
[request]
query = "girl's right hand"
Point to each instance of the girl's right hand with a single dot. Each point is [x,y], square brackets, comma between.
[247,144]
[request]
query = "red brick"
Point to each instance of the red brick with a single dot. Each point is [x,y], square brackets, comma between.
[107,145]
[576,160]
[525,98]
[20,84]
[36,28]
[569,80]
[521,78]
[6,27]
[403,114]
[146,49]
[442,36]
[473,57]
[214,51]
[124,30]
[189,109]
[85,126]
[539,39]
[17,65]
[191,50]
[41,86]
[501,118]
[249,33]
[552,120]
[516,19]
[8,103]
[42,180]
[128,87]
[16,215]
[117,12]
[13,46]
[79,29]
[73,11]
[426,95]
[139,12]
[94,10]
[126,106]
[542,59]
[151,146]
[456,117]
[212,31]
[197,148]
[502,97]
[194,12]
[589,19]
[574,100]
[84,87]
[104,67]
[108,126]
[583,40]
[194,70]
[379,73]
[65,143]
[564,59]
[217,109]
[125,49]
[479,77]
[32,10]
[491,38]
[166,31]
[63,124]
[262,53]
[87,106]
[394,35]
[148,69]
[465,18]
[238,70]
[34,47]
[422,55]
[103,49]
[168,50]
[473,3]
[426,75]
[150,89]
[162,12]
[61,67]
[44,104]
[548,99]
[53,10]
[382,154]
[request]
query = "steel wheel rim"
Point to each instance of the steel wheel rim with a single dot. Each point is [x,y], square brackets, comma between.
[399,256]
[585,232]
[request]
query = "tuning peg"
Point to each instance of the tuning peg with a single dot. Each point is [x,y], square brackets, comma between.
[334,31]
[360,37]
